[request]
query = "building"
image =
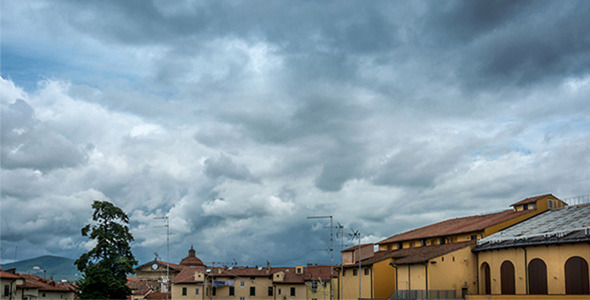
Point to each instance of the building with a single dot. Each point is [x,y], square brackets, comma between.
[161,272]
[545,255]
[8,284]
[271,283]
[35,287]
[432,259]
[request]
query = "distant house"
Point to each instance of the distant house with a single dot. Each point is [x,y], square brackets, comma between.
[545,255]
[8,282]
[35,287]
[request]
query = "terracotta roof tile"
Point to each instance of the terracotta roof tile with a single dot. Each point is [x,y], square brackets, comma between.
[187,275]
[34,281]
[456,226]
[319,272]
[8,275]
[355,247]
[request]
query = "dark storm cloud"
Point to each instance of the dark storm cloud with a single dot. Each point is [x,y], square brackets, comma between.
[506,43]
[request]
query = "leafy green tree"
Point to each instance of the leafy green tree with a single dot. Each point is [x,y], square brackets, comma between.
[106,266]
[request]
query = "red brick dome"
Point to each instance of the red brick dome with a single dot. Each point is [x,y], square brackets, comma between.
[191,259]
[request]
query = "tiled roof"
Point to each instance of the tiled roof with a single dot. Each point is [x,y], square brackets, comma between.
[292,277]
[172,266]
[570,224]
[356,247]
[188,275]
[412,255]
[4,274]
[456,226]
[319,272]
[532,199]
[137,284]
[33,281]
[158,295]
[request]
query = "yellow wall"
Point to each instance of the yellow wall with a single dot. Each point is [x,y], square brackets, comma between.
[300,292]
[452,271]
[554,257]
[321,292]
[383,279]
[176,291]
[350,284]
[458,270]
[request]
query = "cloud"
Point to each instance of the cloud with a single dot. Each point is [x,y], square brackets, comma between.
[237,120]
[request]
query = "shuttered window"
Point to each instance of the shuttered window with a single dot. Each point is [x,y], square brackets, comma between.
[537,277]
[485,269]
[507,278]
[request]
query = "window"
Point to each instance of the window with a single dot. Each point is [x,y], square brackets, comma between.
[525,207]
[423,242]
[293,291]
[214,291]
[184,291]
[366,271]
[252,278]
[442,241]
[354,272]
[6,290]
[242,298]
[279,292]
[400,245]
[324,283]
[576,276]
[537,277]
[550,203]
[474,237]
[299,270]
[241,283]
[232,291]
[252,291]
[343,273]
[270,291]
[507,278]
[196,291]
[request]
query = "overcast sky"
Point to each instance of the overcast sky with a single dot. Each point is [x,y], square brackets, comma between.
[238,119]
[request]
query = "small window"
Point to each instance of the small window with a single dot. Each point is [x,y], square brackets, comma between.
[423,242]
[184,291]
[400,245]
[366,271]
[442,241]
[232,291]
[252,278]
[354,272]
[214,291]
[242,298]
[252,291]
[279,292]
[474,237]
[196,291]
[324,283]
[241,283]
[270,291]
[299,270]
[525,207]
[6,290]
[293,291]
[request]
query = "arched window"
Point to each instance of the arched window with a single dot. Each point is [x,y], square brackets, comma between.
[537,277]
[576,276]
[487,283]
[507,278]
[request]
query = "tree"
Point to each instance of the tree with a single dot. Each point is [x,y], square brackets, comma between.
[106,266]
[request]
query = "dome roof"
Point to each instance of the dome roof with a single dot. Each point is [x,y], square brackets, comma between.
[191,259]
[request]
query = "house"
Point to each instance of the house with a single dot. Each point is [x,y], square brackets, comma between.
[431,259]
[8,283]
[545,255]
[320,282]
[35,287]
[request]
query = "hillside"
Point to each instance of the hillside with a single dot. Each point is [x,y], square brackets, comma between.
[58,267]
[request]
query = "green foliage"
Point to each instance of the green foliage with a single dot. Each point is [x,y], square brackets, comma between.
[106,266]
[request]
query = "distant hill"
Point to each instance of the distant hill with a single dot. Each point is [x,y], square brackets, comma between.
[58,267]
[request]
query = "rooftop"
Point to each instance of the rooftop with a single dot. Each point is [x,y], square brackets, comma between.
[456,226]
[532,199]
[570,224]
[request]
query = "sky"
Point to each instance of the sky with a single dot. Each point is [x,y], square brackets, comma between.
[239,119]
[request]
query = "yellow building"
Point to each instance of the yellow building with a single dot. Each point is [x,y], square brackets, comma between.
[8,284]
[546,256]
[433,259]
[240,283]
